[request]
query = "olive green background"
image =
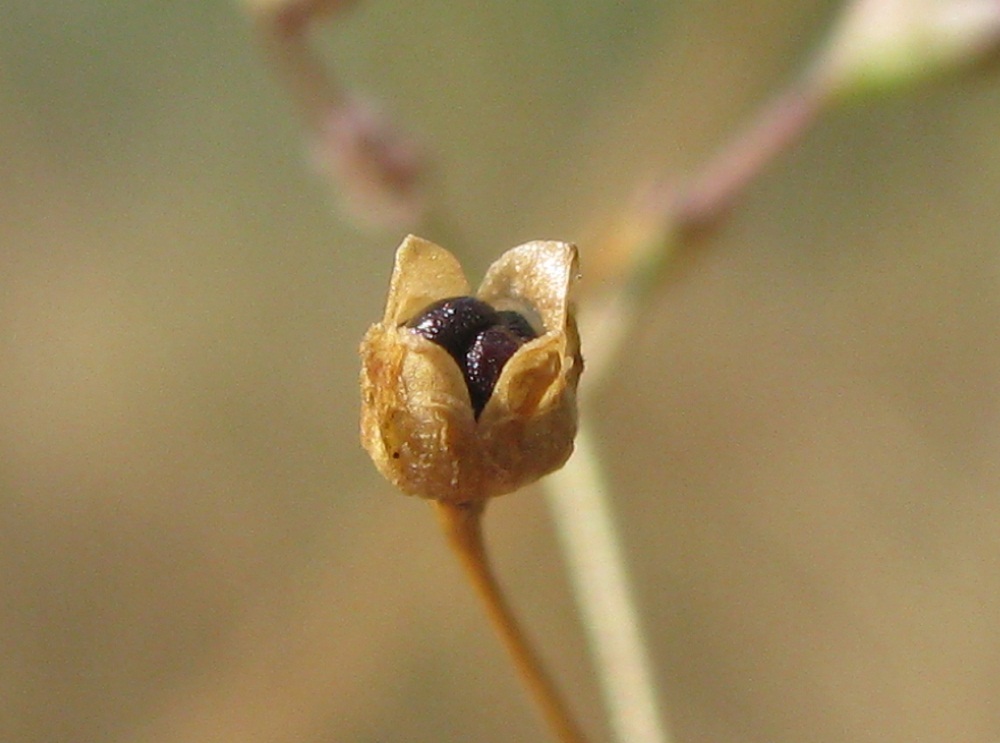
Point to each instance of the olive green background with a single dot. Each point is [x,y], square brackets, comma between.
[802,435]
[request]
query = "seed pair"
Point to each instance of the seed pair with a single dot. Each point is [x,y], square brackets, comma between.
[479,338]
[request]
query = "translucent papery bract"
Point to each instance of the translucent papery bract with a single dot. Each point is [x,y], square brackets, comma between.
[423,273]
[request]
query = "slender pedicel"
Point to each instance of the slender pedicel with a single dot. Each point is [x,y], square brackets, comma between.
[462,525]
[462,402]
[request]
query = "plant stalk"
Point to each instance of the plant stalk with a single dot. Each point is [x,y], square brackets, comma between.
[462,524]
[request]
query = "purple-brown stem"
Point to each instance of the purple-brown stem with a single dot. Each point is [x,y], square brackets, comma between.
[378,171]
[717,187]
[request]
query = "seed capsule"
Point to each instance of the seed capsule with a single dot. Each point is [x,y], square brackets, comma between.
[460,401]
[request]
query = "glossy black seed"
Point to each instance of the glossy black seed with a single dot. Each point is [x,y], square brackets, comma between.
[518,325]
[485,359]
[480,339]
[454,322]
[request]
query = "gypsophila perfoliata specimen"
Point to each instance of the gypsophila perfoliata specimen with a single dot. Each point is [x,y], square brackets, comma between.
[468,397]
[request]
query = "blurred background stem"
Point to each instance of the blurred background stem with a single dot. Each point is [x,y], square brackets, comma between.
[580,502]
[579,495]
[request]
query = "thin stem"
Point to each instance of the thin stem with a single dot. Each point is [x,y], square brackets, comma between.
[378,172]
[673,218]
[462,525]
[578,497]
[712,193]
[303,72]
[676,218]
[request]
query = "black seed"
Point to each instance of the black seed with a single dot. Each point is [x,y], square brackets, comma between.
[480,339]
[454,322]
[518,325]
[484,361]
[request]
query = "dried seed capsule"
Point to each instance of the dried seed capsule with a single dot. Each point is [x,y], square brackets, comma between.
[417,418]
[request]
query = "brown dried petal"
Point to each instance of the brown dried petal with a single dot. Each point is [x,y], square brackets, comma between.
[416,419]
[423,274]
[533,278]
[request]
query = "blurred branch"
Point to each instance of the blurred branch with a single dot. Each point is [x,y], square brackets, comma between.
[580,501]
[876,46]
[377,171]
[889,42]
[666,218]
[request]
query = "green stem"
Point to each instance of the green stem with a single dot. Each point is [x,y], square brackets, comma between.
[580,502]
